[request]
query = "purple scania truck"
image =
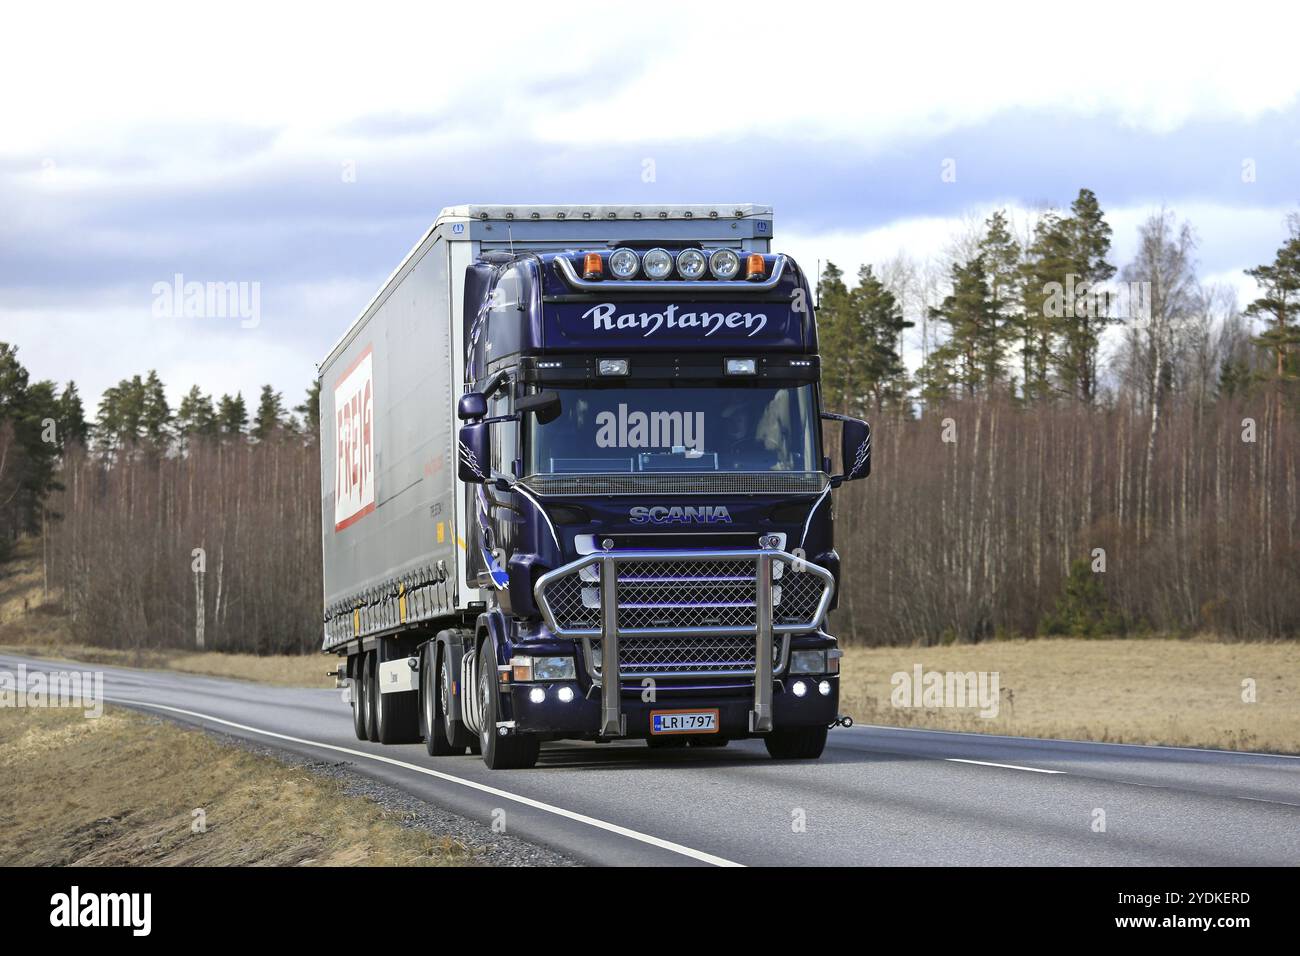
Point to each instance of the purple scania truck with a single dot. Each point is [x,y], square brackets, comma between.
[573,486]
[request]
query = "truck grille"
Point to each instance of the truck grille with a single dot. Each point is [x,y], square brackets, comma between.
[685,595]
[723,656]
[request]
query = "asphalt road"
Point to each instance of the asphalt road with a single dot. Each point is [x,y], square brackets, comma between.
[879,796]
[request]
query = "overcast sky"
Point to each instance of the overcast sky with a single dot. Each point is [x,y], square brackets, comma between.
[306,149]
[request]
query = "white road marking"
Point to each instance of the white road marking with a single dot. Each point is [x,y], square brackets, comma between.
[655,841]
[1004,766]
[1067,740]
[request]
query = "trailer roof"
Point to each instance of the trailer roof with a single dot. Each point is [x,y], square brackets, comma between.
[493,212]
[506,213]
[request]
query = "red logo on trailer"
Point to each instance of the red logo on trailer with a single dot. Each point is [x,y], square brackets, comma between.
[354,442]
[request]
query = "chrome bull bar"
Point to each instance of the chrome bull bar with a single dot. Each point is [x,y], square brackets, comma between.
[614,595]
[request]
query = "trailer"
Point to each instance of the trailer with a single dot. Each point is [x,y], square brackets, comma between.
[573,487]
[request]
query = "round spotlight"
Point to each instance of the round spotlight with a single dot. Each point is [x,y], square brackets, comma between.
[658,263]
[565,694]
[799,688]
[824,688]
[537,695]
[691,263]
[623,263]
[724,264]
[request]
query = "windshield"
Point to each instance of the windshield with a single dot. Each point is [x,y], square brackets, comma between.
[601,430]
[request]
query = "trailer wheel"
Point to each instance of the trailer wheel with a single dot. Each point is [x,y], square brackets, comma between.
[513,751]
[357,686]
[368,688]
[397,716]
[796,743]
[432,687]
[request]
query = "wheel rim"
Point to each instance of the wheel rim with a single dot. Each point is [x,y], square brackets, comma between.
[430,711]
[485,701]
[444,679]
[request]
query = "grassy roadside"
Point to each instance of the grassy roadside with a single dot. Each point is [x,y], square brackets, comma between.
[1177,692]
[121,790]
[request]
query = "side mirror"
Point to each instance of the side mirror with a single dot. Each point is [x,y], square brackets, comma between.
[471,405]
[472,448]
[544,405]
[855,448]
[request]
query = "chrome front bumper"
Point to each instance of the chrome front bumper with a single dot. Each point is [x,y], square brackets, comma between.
[673,597]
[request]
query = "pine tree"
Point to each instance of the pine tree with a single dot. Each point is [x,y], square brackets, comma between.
[232,414]
[973,353]
[1280,306]
[1046,265]
[155,414]
[1004,273]
[196,418]
[310,411]
[270,414]
[28,443]
[120,422]
[835,341]
[1088,238]
[73,429]
[878,322]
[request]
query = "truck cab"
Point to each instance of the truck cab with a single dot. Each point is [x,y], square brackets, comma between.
[647,497]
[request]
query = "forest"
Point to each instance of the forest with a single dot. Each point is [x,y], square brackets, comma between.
[1063,445]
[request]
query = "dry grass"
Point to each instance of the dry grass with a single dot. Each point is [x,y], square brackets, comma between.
[121,790]
[1185,693]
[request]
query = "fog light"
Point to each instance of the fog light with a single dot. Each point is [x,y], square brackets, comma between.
[537,695]
[742,366]
[624,263]
[691,263]
[658,263]
[824,688]
[565,694]
[612,367]
[799,688]
[724,264]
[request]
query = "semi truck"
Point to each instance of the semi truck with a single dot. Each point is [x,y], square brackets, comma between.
[574,487]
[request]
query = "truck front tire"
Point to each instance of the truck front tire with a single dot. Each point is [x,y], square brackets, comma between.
[514,751]
[796,743]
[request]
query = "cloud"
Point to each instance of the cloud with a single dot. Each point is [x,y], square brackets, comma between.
[244,143]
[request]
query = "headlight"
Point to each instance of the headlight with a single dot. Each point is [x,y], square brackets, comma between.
[524,668]
[691,263]
[623,263]
[554,668]
[658,263]
[724,264]
[808,662]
